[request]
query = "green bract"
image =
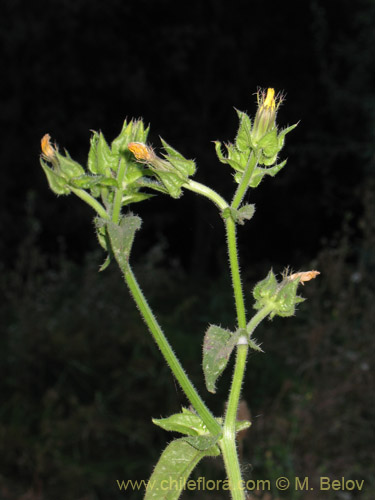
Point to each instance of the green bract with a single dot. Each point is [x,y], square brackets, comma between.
[281,297]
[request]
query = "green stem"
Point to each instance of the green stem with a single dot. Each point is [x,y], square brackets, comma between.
[244,183]
[228,441]
[209,193]
[230,226]
[119,191]
[212,425]
[258,317]
[90,201]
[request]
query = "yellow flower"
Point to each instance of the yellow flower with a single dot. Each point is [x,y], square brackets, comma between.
[269,101]
[141,151]
[265,117]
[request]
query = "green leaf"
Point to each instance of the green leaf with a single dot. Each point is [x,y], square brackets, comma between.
[246,212]
[254,345]
[203,443]
[243,138]
[122,237]
[151,184]
[133,172]
[184,166]
[241,425]
[57,183]
[186,422]
[173,469]
[89,181]
[133,131]
[68,167]
[281,136]
[217,347]
[269,143]
[92,160]
[287,299]
[265,289]
[172,182]
[135,198]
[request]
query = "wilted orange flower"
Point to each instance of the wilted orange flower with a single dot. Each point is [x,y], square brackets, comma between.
[141,151]
[304,276]
[48,151]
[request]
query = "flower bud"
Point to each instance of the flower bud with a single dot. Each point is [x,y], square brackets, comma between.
[266,114]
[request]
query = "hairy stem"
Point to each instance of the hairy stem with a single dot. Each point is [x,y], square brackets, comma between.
[169,355]
[228,441]
[118,195]
[243,186]
[209,193]
[99,209]
[230,226]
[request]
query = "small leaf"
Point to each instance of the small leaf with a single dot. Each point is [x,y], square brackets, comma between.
[269,143]
[172,182]
[241,425]
[254,345]
[281,136]
[89,181]
[266,288]
[243,138]
[203,443]
[135,198]
[245,213]
[69,167]
[186,422]
[217,347]
[122,236]
[105,264]
[57,183]
[173,469]
[184,166]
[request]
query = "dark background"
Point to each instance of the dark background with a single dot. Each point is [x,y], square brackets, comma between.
[68,67]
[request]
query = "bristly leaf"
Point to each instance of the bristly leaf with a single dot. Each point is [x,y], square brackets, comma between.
[245,213]
[122,236]
[173,469]
[181,164]
[203,443]
[243,138]
[217,347]
[186,422]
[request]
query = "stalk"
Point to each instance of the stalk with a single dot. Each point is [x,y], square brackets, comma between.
[170,357]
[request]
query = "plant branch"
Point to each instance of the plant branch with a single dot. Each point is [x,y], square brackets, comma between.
[209,193]
[90,201]
[244,183]
[191,393]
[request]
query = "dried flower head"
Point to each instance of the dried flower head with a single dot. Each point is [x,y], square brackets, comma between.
[303,276]
[141,151]
[48,151]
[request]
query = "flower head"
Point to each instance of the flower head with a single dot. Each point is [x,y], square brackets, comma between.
[265,117]
[48,151]
[141,151]
[303,276]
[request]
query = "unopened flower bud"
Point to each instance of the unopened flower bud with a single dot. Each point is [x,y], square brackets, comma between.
[266,115]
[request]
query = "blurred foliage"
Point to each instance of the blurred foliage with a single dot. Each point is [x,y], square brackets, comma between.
[81,378]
